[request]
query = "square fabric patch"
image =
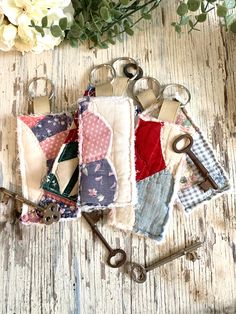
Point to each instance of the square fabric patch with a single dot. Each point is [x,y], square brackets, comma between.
[106,153]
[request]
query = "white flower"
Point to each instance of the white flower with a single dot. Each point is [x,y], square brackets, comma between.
[53,3]
[17,9]
[7,36]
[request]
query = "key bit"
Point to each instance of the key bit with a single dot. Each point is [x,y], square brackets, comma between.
[207,185]
[51,214]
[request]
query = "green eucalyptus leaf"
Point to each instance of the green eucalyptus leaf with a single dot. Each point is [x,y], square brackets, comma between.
[193,5]
[63,23]
[40,30]
[116,29]
[201,17]
[80,19]
[129,31]
[178,28]
[32,23]
[124,2]
[190,23]
[182,9]
[44,21]
[146,16]
[105,13]
[56,31]
[75,31]
[221,10]
[74,42]
[233,27]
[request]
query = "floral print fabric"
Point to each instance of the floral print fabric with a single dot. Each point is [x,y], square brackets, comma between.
[97,183]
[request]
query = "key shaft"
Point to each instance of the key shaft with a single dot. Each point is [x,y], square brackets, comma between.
[204,172]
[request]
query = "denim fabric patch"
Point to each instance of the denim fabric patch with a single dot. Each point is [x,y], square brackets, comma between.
[154,197]
[97,183]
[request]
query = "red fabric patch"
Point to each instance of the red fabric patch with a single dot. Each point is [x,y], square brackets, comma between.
[31,121]
[148,152]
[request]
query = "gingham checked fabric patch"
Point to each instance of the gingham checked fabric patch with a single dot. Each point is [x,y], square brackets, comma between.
[194,195]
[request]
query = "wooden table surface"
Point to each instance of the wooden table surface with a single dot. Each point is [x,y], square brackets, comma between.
[59,268]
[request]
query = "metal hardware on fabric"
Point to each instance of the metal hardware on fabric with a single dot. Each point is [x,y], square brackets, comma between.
[101,66]
[50,214]
[169,110]
[121,82]
[139,71]
[148,96]
[139,272]
[40,104]
[176,95]
[92,218]
[104,88]
[209,182]
[124,60]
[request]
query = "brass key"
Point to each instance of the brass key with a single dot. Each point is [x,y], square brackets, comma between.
[139,272]
[50,214]
[209,182]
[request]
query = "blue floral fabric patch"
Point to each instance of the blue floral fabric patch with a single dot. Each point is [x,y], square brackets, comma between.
[51,125]
[97,183]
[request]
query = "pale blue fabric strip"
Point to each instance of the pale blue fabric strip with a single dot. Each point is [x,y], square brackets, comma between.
[154,197]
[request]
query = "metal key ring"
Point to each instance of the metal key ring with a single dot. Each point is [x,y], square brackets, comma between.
[138,273]
[182,105]
[129,60]
[120,262]
[31,91]
[139,71]
[97,67]
[148,78]
[185,148]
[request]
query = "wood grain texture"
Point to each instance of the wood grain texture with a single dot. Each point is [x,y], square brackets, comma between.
[53,269]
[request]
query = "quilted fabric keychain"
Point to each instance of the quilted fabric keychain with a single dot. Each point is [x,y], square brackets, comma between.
[40,136]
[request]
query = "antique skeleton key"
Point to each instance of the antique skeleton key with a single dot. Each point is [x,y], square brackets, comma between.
[209,182]
[92,219]
[49,214]
[139,272]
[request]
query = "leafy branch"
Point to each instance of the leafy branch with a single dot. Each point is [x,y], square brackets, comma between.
[103,22]
[193,12]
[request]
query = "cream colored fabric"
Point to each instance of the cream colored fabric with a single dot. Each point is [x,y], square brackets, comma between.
[118,113]
[120,86]
[41,105]
[104,89]
[169,111]
[147,98]
[33,164]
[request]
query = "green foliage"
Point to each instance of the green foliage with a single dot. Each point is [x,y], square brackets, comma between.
[192,12]
[102,22]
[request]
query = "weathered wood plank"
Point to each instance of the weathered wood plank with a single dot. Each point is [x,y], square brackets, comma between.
[42,269]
